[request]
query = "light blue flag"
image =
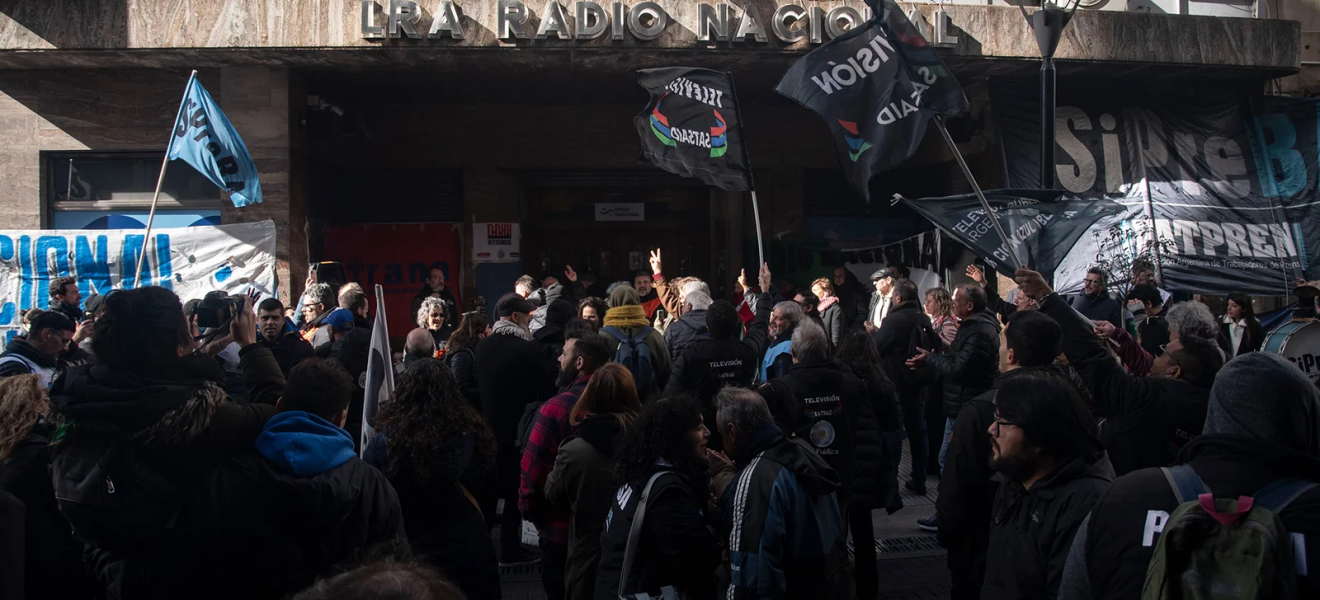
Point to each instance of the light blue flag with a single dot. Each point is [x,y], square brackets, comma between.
[205,139]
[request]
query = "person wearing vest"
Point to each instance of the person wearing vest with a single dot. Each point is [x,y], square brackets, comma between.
[784,319]
[38,353]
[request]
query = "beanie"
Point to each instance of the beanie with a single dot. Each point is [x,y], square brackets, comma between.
[1263,396]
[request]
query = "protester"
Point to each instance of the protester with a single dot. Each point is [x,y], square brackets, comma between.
[152,401]
[785,317]
[277,333]
[647,297]
[830,310]
[524,286]
[778,481]
[65,298]
[1044,444]
[662,458]
[385,580]
[1095,303]
[51,565]
[1028,344]
[1240,330]
[691,327]
[354,300]
[1148,419]
[93,304]
[416,346]
[432,317]
[593,309]
[821,405]
[852,296]
[437,451]
[461,352]
[557,297]
[333,508]
[634,343]
[511,374]
[551,335]
[969,367]
[1153,331]
[1262,426]
[996,304]
[321,301]
[939,309]
[435,287]
[38,353]
[905,330]
[579,360]
[879,306]
[1185,319]
[879,448]
[583,481]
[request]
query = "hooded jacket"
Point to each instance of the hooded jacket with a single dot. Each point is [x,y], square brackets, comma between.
[780,482]
[686,332]
[1148,419]
[1263,424]
[972,362]
[1032,529]
[583,484]
[711,364]
[544,299]
[822,407]
[297,508]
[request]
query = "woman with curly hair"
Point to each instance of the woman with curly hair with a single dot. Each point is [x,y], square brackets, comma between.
[593,310]
[53,567]
[435,448]
[675,549]
[431,317]
[461,354]
[939,307]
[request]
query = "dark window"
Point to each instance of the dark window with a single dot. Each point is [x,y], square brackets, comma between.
[341,195]
[122,180]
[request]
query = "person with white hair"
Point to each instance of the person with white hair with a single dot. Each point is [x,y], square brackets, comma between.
[691,327]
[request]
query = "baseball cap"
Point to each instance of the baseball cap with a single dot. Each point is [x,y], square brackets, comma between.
[513,303]
[339,319]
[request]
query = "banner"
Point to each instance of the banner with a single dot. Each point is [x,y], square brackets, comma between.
[204,138]
[692,126]
[923,254]
[378,380]
[1042,226]
[191,261]
[876,86]
[1231,182]
[496,242]
[397,256]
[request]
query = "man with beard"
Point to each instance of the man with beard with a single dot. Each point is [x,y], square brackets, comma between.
[1045,444]
[39,352]
[650,300]
[279,334]
[435,288]
[583,353]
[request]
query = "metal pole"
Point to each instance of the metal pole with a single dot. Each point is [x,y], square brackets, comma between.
[967,172]
[151,216]
[1047,108]
[760,244]
[68,188]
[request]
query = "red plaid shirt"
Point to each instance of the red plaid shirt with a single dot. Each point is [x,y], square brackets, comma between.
[538,459]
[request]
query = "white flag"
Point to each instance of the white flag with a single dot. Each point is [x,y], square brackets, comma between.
[380,371]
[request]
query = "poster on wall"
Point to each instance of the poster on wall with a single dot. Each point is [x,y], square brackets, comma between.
[496,242]
[191,261]
[398,257]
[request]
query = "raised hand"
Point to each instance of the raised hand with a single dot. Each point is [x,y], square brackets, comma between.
[570,273]
[764,278]
[976,274]
[655,262]
[742,280]
[1032,283]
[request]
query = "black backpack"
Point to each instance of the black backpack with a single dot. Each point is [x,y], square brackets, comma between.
[112,498]
[919,336]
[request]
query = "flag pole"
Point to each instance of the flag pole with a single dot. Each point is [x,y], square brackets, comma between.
[939,124]
[760,244]
[160,181]
[756,209]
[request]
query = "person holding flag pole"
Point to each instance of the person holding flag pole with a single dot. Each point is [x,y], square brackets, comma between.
[204,138]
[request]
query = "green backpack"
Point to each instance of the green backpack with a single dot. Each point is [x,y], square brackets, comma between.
[1221,549]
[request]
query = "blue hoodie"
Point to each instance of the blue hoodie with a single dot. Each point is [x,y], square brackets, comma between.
[303,444]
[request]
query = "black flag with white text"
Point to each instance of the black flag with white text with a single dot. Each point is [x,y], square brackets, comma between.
[692,126]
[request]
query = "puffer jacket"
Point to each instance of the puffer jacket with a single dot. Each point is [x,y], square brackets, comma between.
[877,472]
[685,332]
[462,363]
[972,362]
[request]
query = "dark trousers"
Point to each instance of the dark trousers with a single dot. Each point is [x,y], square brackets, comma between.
[914,421]
[966,560]
[554,560]
[863,536]
[934,426]
[508,464]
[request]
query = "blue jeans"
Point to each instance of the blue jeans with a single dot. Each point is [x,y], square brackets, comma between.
[948,435]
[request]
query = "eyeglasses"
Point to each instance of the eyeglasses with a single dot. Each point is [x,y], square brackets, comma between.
[1093,281]
[999,424]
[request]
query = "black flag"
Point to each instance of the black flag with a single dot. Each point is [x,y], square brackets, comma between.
[692,126]
[876,86]
[1043,225]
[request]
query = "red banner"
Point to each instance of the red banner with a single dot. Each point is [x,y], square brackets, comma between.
[397,256]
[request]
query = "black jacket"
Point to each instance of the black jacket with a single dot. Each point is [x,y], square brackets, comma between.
[19,347]
[822,407]
[445,528]
[972,362]
[1032,530]
[832,318]
[895,340]
[289,350]
[685,333]
[1147,419]
[511,374]
[998,305]
[74,313]
[1252,338]
[877,474]
[463,365]
[710,364]
[1115,545]
[446,296]
[675,548]
[1153,333]
[353,351]
[1100,308]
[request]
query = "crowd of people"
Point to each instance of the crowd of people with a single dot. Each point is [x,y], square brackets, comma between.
[661,442]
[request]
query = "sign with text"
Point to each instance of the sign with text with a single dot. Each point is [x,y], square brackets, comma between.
[398,257]
[620,211]
[495,242]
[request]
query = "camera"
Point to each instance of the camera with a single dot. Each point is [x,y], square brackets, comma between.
[216,310]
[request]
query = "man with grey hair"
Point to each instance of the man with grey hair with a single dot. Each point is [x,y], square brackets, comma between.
[318,301]
[777,481]
[1192,319]
[1262,428]
[818,400]
[784,319]
[691,327]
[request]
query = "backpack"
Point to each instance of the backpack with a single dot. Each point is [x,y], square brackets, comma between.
[919,336]
[635,354]
[1222,548]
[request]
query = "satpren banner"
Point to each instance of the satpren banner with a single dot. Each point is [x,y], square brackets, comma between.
[397,256]
[190,260]
[496,242]
[1231,182]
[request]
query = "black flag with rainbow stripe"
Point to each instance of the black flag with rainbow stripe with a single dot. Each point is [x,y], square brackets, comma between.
[877,86]
[692,126]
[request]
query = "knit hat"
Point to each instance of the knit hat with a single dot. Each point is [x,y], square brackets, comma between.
[1263,396]
[511,304]
[624,295]
[560,312]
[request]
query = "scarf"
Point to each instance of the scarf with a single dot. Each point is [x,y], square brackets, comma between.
[826,303]
[632,315]
[511,328]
